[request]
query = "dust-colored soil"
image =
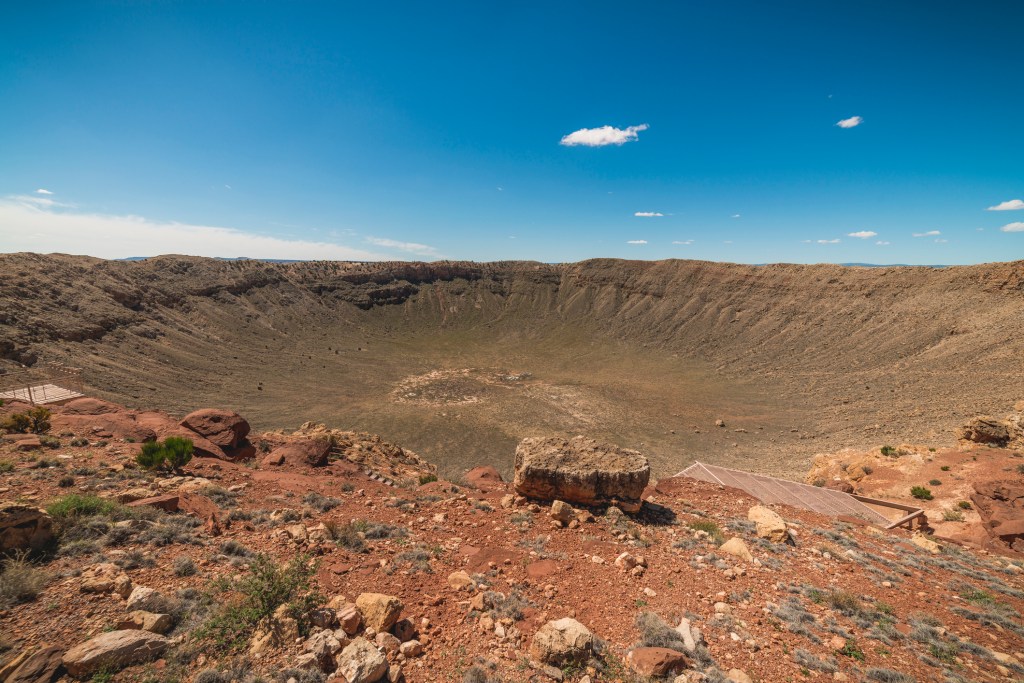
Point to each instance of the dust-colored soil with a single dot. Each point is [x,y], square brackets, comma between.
[890,605]
[459,361]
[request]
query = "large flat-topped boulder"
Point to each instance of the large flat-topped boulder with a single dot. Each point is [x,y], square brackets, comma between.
[581,470]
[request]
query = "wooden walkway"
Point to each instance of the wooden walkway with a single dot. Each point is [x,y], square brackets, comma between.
[40,394]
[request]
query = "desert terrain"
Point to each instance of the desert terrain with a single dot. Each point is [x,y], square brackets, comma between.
[459,361]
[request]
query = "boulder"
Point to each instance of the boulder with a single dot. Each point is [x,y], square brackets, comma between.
[90,406]
[120,424]
[379,611]
[24,528]
[349,618]
[655,661]
[985,429]
[737,548]
[460,580]
[42,666]
[562,512]
[310,451]
[147,621]
[224,428]
[361,662]
[484,478]
[769,524]
[201,446]
[113,650]
[563,641]
[146,599]
[581,471]
[1000,503]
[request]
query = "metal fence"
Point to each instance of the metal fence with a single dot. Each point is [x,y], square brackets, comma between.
[49,383]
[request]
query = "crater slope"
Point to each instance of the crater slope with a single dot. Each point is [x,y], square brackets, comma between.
[461,360]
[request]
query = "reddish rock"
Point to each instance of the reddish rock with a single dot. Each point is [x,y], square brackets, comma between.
[484,477]
[656,661]
[985,429]
[273,460]
[119,425]
[90,406]
[541,569]
[26,442]
[244,451]
[841,485]
[188,503]
[41,667]
[1000,503]
[202,447]
[225,428]
[167,503]
[311,451]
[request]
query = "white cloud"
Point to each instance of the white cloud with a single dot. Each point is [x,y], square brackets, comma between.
[35,227]
[864,234]
[1012,205]
[636,242]
[411,247]
[941,241]
[735,215]
[43,191]
[605,135]
[881,243]
[685,242]
[648,214]
[851,122]
[930,233]
[835,241]
[1013,227]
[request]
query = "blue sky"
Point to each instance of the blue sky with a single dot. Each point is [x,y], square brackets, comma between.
[425,131]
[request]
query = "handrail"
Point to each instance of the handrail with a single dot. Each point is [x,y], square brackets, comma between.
[904,520]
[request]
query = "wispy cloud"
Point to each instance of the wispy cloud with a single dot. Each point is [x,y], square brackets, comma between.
[851,122]
[648,214]
[735,215]
[111,236]
[941,240]
[864,234]
[835,241]
[43,191]
[1013,227]
[930,233]
[605,135]
[683,242]
[411,247]
[39,202]
[881,243]
[636,241]
[1011,205]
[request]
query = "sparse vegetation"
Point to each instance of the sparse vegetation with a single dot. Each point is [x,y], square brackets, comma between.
[889,451]
[35,421]
[20,581]
[951,515]
[183,566]
[921,493]
[710,528]
[320,502]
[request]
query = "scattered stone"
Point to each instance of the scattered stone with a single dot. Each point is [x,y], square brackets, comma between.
[145,599]
[113,650]
[349,618]
[460,581]
[655,661]
[147,621]
[737,548]
[411,648]
[23,528]
[42,666]
[562,512]
[361,662]
[380,612]
[769,524]
[561,642]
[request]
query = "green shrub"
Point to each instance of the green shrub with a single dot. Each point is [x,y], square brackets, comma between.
[258,595]
[921,493]
[174,453]
[427,478]
[934,482]
[952,516]
[18,423]
[852,651]
[944,468]
[889,451]
[66,481]
[6,466]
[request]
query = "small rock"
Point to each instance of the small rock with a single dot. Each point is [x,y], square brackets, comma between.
[380,612]
[460,581]
[737,548]
[147,621]
[563,641]
[113,650]
[411,648]
[360,662]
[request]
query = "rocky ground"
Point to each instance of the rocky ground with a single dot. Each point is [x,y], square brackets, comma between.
[292,561]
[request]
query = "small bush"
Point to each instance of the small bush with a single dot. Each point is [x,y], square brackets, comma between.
[889,451]
[965,505]
[66,481]
[944,468]
[173,453]
[320,502]
[427,478]
[79,442]
[710,528]
[20,581]
[50,442]
[934,482]
[852,651]
[73,509]
[889,676]
[35,421]
[233,548]
[267,587]
[183,566]
[6,466]
[921,493]
[952,516]
[656,633]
